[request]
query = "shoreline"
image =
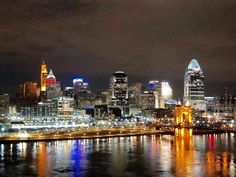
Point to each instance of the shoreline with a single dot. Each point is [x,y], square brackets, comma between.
[93,134]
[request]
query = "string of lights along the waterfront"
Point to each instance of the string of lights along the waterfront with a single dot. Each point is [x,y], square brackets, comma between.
[112,88]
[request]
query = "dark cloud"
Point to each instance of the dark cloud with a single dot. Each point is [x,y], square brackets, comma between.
[147,39]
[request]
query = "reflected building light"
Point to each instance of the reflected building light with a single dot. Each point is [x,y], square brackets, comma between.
[232,171]
[22,148]
[2,151]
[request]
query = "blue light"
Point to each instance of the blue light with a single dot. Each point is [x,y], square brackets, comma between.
[78,80]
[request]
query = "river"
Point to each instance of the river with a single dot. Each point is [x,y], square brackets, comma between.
[182,155]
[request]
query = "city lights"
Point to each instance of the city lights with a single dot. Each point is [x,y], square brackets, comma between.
[106,88]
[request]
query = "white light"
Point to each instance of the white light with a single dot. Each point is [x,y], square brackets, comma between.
[77,80]
[166,90]
[23,135]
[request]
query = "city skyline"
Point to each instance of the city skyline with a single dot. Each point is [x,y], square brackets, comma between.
[69,83]
[96,38]
[118,88]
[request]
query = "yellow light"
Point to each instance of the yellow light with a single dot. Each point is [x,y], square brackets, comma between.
[43,76]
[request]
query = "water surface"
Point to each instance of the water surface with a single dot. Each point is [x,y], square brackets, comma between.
[154,155]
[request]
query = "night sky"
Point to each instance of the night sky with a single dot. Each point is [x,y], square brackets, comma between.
[148,39]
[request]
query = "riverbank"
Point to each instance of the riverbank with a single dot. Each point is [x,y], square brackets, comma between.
[92,133]
[78,134]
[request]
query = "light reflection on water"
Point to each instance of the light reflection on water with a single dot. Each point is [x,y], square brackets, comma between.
[180,155]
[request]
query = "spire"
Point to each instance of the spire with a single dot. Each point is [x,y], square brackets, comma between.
[194,65]
[50,72]
[51,75]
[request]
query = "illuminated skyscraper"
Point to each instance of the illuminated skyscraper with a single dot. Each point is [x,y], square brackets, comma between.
[135,91]
[82,94]
[119,88]
[43,76]
[80,86]
[4,104]
[163,93]
[51,79]
[69,92]
[152,85]
[52,86]
[147,100]
[194,86]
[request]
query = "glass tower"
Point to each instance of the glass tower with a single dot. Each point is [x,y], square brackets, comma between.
[119,88]
[194,86]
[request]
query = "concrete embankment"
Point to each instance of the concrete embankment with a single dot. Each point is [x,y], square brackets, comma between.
[91,133]
[77,134]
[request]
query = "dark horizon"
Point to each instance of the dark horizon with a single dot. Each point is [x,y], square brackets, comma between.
[145,39]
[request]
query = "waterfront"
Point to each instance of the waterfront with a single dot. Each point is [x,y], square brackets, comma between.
[147,155]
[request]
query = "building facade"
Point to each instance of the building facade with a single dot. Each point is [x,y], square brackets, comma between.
[147,100]
[28,91]
[52,87]
[163,93]
[80,86]
[119,88]
[65,107]
[194,86]
[43,76]
[4,104]
[135,91]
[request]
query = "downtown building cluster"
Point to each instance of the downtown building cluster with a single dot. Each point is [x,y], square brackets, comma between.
[120,100]
[48,103]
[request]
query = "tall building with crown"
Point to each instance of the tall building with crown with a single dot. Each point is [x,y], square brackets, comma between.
[43,77]
[194,86]
[52,86]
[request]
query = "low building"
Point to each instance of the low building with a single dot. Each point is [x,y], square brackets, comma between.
[65,107]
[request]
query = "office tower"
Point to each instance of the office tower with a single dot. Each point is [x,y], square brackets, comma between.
[163,93]
[152,85]
[147,100]
[119,88]
[28,91]
[52,86]
[106,97]
[51,79]
[80,86]
[43,76]
[194,86]
[4,104]
[69,92]
[134,94]
[83,96]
